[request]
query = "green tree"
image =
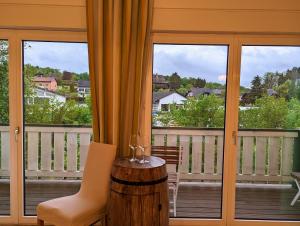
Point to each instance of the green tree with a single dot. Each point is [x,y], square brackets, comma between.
[293,116]
[214,85]
[199,83]
[203,111]
[270,80]
[174,81]
[4,118]
[267,112]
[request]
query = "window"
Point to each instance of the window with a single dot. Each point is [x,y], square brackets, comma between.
[57,122]
[189,82]
[269,121]
[165,107]
[4,131]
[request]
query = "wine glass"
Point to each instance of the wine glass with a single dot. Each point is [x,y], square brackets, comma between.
[133,147]
[142,147]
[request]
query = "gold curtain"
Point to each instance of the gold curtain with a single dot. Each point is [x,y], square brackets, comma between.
[119,50]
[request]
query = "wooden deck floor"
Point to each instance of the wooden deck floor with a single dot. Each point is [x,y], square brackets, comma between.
[193,200]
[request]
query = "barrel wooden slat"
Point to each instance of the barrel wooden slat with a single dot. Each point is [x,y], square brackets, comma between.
[139,193]
[72,152]
[247,167]
[209,152]
[46,149]
[261,144]
[59,150]
[5,150]
[85,140]
[185,143]
[274,150]
[33,147]
[287,156]
[220,155]
[196,154]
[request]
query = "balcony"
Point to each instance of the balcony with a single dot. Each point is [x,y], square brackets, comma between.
[55,158]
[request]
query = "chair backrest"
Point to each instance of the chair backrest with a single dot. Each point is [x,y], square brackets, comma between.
[171,154]
[97,171]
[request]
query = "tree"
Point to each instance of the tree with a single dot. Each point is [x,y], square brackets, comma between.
[174,81]
[4,114]
[257,86]
[293,116]
[214,85]
[67,76]
[283,90]
[270,80]
[267,112]
[255,92]
[203,111]
[53,112]
[199,83]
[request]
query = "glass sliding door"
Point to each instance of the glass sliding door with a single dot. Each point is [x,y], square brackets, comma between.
[4,131]
[268,153]
[57,119]
[188,112]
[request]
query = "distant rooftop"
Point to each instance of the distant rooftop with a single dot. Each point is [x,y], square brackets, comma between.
[83,83]
[43,79]
[198,91]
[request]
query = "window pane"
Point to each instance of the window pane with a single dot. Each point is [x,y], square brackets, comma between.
[269,121]
[4,132]
[57,113]
[189,90]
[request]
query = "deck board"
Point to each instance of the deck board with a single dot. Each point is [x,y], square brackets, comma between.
[193,200]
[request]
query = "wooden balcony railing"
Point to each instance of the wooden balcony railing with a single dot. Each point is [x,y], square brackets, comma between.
[262,155]
[60,152]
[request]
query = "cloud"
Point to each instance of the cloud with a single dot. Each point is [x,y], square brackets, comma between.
[71,57]
[210,61]
[200,61]
[222,78]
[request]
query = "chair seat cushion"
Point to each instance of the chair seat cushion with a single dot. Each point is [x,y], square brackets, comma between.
[72,210]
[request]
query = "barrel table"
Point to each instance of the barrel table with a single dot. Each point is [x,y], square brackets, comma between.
[139,193]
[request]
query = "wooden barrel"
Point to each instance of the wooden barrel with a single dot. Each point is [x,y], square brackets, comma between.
[139,193]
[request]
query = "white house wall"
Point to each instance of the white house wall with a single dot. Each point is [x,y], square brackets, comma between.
[174,98]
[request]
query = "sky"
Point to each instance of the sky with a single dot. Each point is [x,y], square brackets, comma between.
[210,62]
[71,57]
[204,61]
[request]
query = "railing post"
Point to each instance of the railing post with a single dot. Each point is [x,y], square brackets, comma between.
[296,154]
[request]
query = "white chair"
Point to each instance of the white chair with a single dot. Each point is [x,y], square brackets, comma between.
[173,157]
[296,176]
[89,204]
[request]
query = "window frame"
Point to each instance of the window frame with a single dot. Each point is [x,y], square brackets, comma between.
[235,43]
[15,38]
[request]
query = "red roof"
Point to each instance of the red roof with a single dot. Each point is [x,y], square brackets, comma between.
[44,79]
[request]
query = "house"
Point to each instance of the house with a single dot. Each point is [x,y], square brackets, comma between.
[46,94]
[163,100]
[203,91]
[48,83]
[159,82]
[83,88]
[271,92]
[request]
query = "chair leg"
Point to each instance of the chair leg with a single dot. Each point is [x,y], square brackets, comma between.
[297,196]
[174,200]
[40,222]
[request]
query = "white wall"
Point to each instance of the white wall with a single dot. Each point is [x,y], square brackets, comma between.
[174,98]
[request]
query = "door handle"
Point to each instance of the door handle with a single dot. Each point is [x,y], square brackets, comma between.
[17,131]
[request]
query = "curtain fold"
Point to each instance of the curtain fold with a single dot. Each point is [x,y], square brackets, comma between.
[119,51]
